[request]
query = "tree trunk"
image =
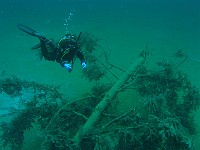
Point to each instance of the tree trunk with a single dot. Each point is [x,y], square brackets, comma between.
[107,100]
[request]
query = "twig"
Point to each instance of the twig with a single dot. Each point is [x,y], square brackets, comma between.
[180,63]
[127,85]
[105,66]
[79,114]
[109,115]
[118,118]
[112,65]
[63,107]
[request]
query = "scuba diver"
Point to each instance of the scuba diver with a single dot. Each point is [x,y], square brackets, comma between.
[64,53]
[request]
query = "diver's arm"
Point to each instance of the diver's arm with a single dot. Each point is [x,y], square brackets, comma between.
[79,54]
[81,57]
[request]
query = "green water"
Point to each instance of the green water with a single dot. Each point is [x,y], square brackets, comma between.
[127,27]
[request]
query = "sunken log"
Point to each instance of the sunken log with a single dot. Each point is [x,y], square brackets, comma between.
[107,100]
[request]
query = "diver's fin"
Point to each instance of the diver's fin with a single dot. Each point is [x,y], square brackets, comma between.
[31,31]
[36,46]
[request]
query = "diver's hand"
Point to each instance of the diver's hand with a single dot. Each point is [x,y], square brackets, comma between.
[83,65]
[68,67]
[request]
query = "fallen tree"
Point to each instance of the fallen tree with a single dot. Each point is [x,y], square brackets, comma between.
[162,120]
[108,98]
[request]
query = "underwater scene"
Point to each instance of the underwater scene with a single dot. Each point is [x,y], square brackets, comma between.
[100,75]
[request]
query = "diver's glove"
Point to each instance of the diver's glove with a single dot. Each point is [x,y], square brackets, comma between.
[83,64]
[68,67]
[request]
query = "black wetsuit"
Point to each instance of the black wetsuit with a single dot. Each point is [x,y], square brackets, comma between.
[65,53]
[48,49]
